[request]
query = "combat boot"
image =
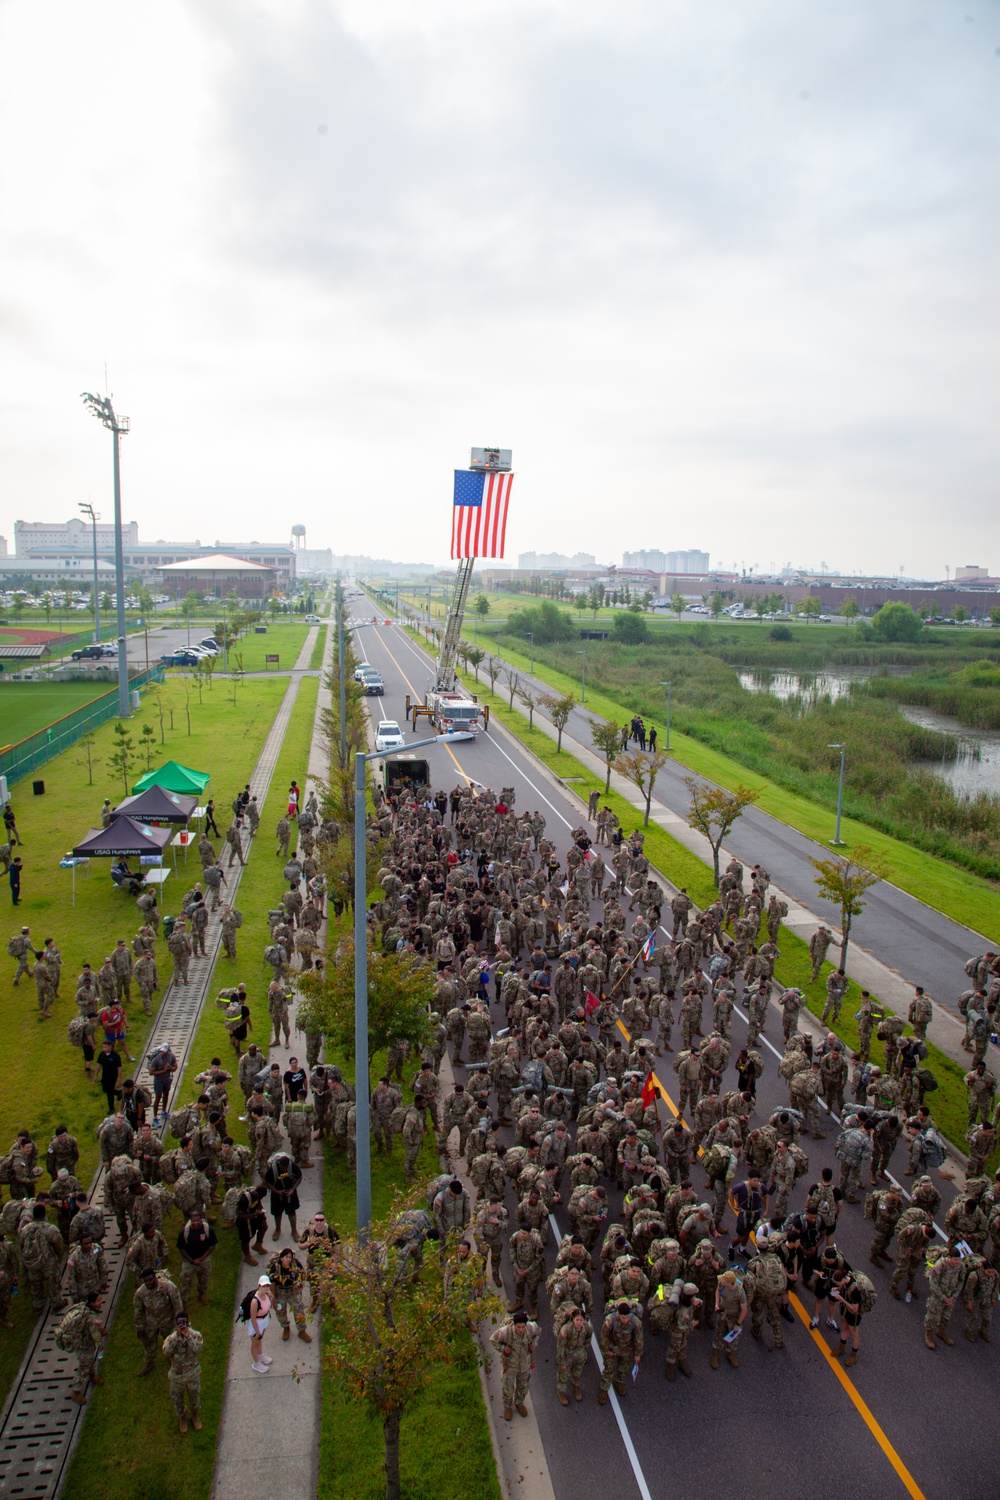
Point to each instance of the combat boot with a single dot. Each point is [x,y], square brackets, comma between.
[684,1367]
[946,1338]
[732,1359]
[196,1421]
[620,1387]
[671,1370]
[521,1409]
[183,1424]
[852,1358]
[929,1339]
[306,1338]
[508,1414]
[97,1379]
[147,1369]
[877,1260]
[602,1398]
[715,1359]
[577,1393]
[563,1398]
[250,1260]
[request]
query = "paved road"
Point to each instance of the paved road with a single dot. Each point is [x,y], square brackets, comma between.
[788,1422]
[908,937]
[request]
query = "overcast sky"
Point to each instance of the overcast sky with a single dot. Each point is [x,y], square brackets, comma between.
[721,275]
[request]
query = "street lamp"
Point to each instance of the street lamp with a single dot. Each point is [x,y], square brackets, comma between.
[95,516]
[837,840]
[668,686]
[531,638]
[583,679]
[362,1102]
[101,408]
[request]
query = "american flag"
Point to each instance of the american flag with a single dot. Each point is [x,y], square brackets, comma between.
[479,514]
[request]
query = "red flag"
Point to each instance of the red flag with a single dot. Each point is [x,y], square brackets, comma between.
[649,1090]
[592,1003]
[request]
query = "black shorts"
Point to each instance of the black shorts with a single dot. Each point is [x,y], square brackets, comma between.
[849,1316]
[88,1052]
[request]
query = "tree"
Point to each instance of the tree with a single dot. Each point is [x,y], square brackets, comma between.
[811,608]
[156,693]
[607,738]
[400,996]
[631,629]
[850,609]
[896,621]
[390,1329]
[714,810]
[760,606]
[716,604]
[995,616]
[531,700]
[845,881]
[106,600]
[475,658]
[559,712]
[512,677]
[642,770]
[960,614]
[123,756]
[146,742]
[482,606]
[494,666]
[677,604]
[88,758]
[595,597]
[545,621]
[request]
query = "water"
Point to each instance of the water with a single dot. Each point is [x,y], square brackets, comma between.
[977,766]
[810,687]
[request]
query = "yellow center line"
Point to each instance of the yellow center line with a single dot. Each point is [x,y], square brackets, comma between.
[864,1411]
[409,684]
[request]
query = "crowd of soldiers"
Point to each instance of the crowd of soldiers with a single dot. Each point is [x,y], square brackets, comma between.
[159,1158]
[556,1109]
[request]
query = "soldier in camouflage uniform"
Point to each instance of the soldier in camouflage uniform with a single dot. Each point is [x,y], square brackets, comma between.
[147,1251]
[885,1208]
[277,1009]
[730,1313]
[765,1283]
[288,1278]
[621,1341]
[982,1282]
[682,1308]
[44,991]
[946,1278]
[9,1268]
[232,921]
[121,964]
[155,1307]
[527,1254]
[179,947]
[20,948]
[182,1349]
[912,1238]
[572,1345]
[80,1333]
[516,1342]
[148,979]
[86,1270]
[41,1247]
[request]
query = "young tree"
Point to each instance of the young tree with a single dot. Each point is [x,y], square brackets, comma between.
[559,712]
[146,742]
[631,629]
[512,677]
[494,666]
[595,597]
[760,606]
[531,700]
[845,882]
[850,609]
[475,658]
[714,811]
[606,737]
[642,770]
[87,757]
[400,996]
[157,695]
[896,621]
[716,604]
[995,616]
[960,614]
[677,604]
[123,756]
[482,606]
[390,1328]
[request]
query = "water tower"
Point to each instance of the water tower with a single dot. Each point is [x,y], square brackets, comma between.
[298,537]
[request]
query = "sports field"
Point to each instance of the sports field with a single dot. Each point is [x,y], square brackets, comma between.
[26,707]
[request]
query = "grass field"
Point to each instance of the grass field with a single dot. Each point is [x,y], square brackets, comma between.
[26,707]
[125,1441]
[49,825]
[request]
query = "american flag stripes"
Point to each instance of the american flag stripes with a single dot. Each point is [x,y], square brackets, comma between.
[479,514]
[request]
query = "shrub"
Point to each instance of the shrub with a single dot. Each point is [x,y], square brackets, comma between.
[782,633]
[630,628]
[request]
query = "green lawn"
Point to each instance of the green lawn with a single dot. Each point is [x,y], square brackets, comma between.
[124,1441]
[26,707]
[284,639]
[49,825]
[316,660]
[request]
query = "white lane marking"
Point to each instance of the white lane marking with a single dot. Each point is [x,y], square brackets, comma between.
[626,1436]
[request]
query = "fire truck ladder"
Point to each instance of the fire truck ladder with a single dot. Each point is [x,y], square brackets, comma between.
[444,677]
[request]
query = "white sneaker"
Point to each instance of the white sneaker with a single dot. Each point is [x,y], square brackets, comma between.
[814,1322]
[266,1359]
[260,1369]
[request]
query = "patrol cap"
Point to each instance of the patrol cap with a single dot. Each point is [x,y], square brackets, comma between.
[689,1289]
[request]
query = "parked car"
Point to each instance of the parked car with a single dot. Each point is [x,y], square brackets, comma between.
[389,736]
[181,658]
[109,648]
[312,619]
[88,653]
[210,643]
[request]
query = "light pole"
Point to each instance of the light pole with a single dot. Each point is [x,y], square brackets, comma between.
[94,515]
[837,840]
[340,671]
[667,685]
[531,638]
[101,408]
[362,1101]
[583,679]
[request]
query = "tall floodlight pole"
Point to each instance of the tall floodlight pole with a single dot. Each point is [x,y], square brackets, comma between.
[363,1175]
[667,685]
[102,409]
[837,840]
[94,515]
[340,670]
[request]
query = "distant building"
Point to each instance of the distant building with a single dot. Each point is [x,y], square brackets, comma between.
[68,542]
[691,561]
[555,561]
[314,561]
[218,573]
[54,538]
[652,561]
[969,572]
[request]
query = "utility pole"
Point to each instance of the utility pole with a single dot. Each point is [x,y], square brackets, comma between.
[837,841]
[94,515]
[340,671]
[667,685]
[101,408]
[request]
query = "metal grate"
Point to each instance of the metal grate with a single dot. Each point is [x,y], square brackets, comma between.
[39,1425]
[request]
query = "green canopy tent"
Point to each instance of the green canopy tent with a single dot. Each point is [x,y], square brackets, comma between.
[174,777]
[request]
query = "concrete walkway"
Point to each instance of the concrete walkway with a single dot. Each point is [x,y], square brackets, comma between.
[270,1423]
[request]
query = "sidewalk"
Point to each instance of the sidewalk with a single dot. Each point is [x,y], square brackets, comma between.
[274,1419]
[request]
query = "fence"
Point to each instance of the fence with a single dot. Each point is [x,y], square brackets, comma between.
[18,761]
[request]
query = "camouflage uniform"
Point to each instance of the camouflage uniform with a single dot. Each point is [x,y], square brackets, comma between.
[86,1272]
[232,921]
[946,1277]
[154,1312]
[41,1248]
[982,1282]
[517,1351]
[572,1345]
[288,1288]
[621,1344]
[731,1300]
[184,1370]
[179,946]
[148,979]
[80,1332]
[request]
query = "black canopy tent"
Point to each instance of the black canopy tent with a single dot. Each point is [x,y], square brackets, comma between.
[158,805]
[124,839]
